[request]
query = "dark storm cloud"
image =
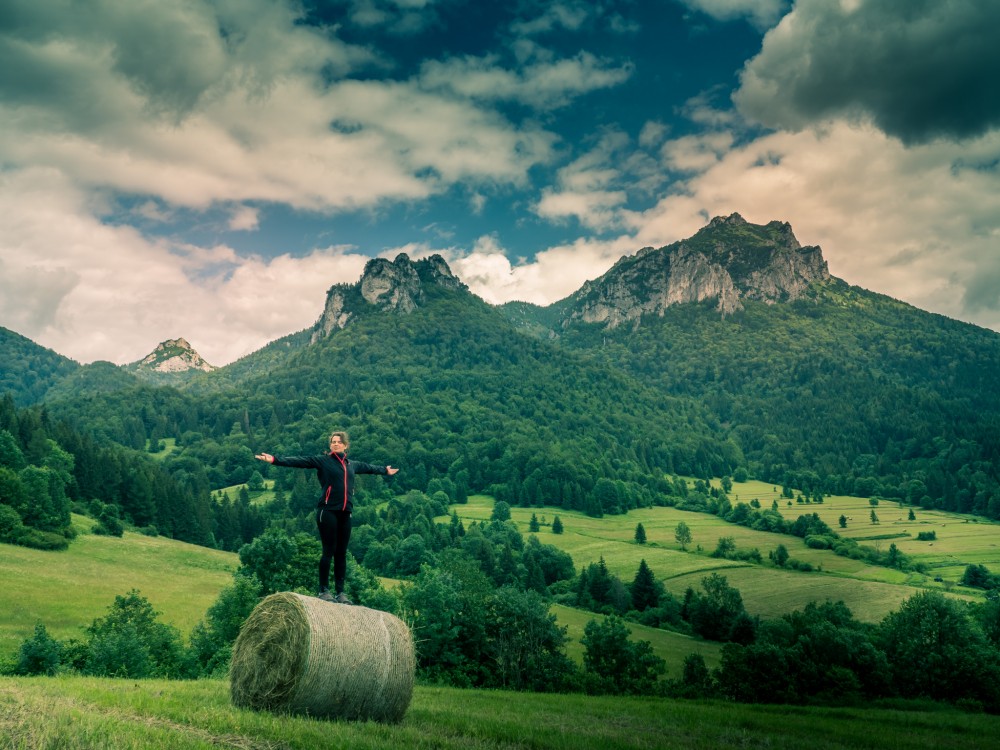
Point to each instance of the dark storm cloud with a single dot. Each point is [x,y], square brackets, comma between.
[918,69]
[983,291]
[54,53]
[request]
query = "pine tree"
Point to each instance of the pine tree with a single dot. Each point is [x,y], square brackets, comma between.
[644,591]
[640,534]
[557,527]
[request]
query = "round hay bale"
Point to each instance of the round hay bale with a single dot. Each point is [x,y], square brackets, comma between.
[298,654]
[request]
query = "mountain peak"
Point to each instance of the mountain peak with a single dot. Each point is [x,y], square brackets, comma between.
[397,286]
[729,260]
[733,219]
[173,356]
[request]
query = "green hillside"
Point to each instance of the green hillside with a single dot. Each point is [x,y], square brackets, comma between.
[28,370]
[66,590]
[672,647]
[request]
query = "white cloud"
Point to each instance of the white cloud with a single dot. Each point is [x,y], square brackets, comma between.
[594,188]
[150,98]
[696,153]
[92,291]
[762,13]
[244,218]
[542,81]
[565,15]
[552,275]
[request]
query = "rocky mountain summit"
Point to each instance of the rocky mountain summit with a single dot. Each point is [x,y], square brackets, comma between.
[396,286]
[729,260]
[171,357]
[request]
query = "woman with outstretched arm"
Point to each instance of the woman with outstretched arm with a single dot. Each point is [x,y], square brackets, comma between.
[333,512]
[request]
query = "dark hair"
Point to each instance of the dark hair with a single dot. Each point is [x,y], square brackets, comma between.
[343,437]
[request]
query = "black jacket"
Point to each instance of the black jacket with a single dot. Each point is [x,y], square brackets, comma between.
[336,475]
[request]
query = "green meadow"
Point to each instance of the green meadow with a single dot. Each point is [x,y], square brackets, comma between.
[672,647]
[257,497]
[961,539]
[870,591]
[66,590]
[102,714]
[167,446]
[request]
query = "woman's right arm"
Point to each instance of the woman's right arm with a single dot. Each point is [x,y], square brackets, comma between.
[296,462]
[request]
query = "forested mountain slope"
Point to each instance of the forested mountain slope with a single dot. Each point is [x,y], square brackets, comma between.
[28,370]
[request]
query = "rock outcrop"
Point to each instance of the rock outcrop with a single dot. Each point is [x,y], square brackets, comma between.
[396,286]
[173,356]
[728,261]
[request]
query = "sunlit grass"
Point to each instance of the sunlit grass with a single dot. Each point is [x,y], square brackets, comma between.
[66,590]
[76,712]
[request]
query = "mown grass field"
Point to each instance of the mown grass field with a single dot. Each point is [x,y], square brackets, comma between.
[672,647]
[100,714]
[258,497]
[870,591]
[961,539]
[66,590]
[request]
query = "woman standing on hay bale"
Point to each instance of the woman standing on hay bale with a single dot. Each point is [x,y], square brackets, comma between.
[333,512]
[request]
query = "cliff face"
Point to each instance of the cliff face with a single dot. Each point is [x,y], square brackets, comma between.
[173,356]
[728,261]
[396,286]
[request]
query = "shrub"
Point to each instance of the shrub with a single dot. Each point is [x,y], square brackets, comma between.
[131,642]
[119,653]
[926,536]
[816,541]
[108,522]
[212,638]
[39,655]
[613,663]
[43,540]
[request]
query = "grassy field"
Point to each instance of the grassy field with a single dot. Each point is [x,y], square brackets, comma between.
[66,590]
[870,591]
[76,712]
[673,648]
[167,446]
[961,539]
[260,497]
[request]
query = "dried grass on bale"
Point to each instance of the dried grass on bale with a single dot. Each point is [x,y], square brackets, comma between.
[298,654]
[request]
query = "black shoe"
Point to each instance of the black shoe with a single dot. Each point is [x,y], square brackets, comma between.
[325,595]
[342,599]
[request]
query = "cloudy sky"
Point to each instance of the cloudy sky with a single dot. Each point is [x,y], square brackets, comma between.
[207,169]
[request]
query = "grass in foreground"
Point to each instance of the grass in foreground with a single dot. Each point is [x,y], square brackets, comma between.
[99,714]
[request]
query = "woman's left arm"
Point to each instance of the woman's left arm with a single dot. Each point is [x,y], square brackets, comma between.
[362,468]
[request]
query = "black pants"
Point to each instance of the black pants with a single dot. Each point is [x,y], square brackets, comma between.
[335,533]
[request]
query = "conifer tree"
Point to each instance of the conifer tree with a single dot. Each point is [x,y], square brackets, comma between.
[640,534]
[644,591]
